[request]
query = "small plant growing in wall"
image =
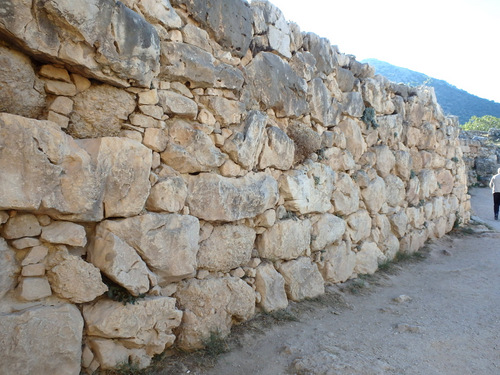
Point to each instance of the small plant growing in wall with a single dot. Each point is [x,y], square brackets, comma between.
[369,117]
[120,294]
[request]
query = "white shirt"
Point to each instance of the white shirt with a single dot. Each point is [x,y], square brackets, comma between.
[495,183]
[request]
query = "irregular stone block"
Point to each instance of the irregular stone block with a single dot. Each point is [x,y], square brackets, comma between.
[244,146]
[147,324]
[22,225]
[24,243]
[321,49]
[385,160]
[211,306]
[368,258]
[229,21]
[215,198]
[395,190]
[287,239]
[271,286]
[228,77]
[302,279]
[346,195]
[21,92]
[228,247]
[273,83]
[324,108]
[303,63]
[177,104]
[355,141]
[345,79]
[353,104]
[190,150]
[183,62]
[27,336]
[160,12]
[102,39]
[35,255]
[8,268]
[308,189]
[226,111]
[76,280]
[119,261]
[359,225]
[168,243]
[100,111]
[327,230]
[33,288]
[337,264]
[64,232]
[374,195]
[278,151]
[168,195]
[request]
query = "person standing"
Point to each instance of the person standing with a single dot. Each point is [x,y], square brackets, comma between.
[495,189]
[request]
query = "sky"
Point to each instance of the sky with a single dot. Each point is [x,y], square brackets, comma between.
[454,40]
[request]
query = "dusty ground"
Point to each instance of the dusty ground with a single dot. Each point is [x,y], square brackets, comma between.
[445,321]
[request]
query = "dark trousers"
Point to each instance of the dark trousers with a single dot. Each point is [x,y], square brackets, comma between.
[496,203]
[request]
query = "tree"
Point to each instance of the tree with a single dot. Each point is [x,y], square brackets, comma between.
[484,123]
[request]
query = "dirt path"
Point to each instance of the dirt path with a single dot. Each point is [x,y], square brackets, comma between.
[445,321]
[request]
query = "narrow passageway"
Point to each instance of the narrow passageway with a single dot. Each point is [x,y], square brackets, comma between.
[437,316]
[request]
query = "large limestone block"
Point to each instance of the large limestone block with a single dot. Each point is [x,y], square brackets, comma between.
[228,247]
[390,128]
[100,38]
[390,246]
[111,354]
[124,166]
[354,138]
[21,92]
[428,138]
[338,263]
[50,171]
[375,94]
[177,104]
[278,151]
[345,79]
[321,49]
[302,279]
[404,164]
[399,223]
[119,261]
[76,280]
[353,104]
[428,183]
[375,194]
[229,21]
[8,268]
[269,20]
[359,225]
[395,190]
[346,195]
[41,340]
[226,111]
[272,82]
[183,62]
[215,198]
[327,230]
[308,189]
[168,243]
[303,63]
[271,286]
[244,146]
[190,150]
[287,239]
[160,12]
[324,108]
[445,181]
[211,306]
[100,111]
[21,225]
[33,288]
[385,160]
[148,323]
[64,232]
[368,258]
[168,195]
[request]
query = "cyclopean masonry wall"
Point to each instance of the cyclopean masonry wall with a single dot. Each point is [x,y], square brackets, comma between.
[212,161]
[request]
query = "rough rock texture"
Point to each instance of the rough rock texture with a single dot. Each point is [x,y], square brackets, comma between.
[287,239]
[211,306]
[302,279]
[79,36]
[271,286]
[8,268]
[27,336]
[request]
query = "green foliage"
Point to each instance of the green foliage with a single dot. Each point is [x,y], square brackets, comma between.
[120,294]
[369,117]
[484,123]
[215,344]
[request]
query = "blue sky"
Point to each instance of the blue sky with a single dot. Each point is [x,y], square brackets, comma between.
[454,40]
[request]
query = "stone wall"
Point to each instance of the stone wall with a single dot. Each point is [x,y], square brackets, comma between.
[481,155]
[168,170]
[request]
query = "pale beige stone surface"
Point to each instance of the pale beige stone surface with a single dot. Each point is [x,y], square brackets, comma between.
[368,258]
[338,262]
[76,280]
[33,288]
[211,305]
[27,337]
[326,230]
[21,225]
[302,279]
[64,232]
[168,195]
[271,286]
[228,247]
[8,267]
[287,239]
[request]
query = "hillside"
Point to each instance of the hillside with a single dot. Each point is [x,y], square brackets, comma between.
[453,100]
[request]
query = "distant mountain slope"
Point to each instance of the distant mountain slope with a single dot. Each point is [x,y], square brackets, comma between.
[453,100]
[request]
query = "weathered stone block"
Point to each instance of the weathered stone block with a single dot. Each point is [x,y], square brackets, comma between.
[287,239]
[326,230]
[271,286]
[278,151]
[302,279]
